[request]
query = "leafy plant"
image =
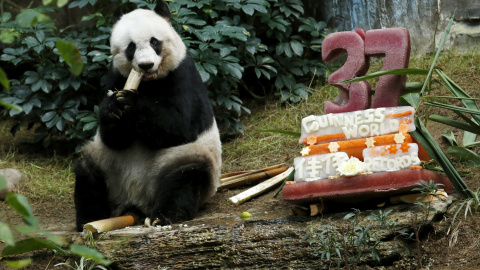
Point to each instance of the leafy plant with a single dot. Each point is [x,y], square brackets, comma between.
[20,204]
[351,242]
[426,190]
[257,47]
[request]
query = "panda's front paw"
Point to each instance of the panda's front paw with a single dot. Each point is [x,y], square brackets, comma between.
[123,102]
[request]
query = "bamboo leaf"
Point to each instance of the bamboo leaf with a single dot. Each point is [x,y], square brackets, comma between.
[452,107]
[450,137]
[454,123]
[440,47]
[402,71]
[457,91]
[290,177]
[464,155]
[424,138]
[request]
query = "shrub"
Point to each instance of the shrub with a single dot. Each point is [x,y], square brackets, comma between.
[254,47]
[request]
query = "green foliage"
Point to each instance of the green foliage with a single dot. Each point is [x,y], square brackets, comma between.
[43,64]
[20,204]
[260,47]
[348,244]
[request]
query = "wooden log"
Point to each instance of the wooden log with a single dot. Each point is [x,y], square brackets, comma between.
[266,242]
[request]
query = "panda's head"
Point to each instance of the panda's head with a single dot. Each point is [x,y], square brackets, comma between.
[145,40]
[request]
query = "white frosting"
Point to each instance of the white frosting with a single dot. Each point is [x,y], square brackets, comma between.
[318,167]
[391,157]
[357,124]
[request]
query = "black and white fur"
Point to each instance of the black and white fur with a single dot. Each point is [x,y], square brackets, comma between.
[158,150]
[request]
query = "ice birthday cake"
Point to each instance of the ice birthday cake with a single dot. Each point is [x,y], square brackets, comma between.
[361,147]
[360,154]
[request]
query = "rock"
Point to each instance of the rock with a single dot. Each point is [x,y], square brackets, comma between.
[15,180]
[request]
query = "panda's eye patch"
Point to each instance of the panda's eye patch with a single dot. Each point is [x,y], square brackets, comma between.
[130,51]
[156,45]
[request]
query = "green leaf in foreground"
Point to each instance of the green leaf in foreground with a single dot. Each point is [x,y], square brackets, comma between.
[426,140]
[401,71]
[6,234]
[20,263]
[71,55]
[30,244]
[285,132]
[89,253]
[10,106]
[3,182]
[4,79]
[20,204]
[30,17]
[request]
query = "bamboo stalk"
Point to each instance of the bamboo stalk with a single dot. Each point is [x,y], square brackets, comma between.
[109,224]
[251,178]
[260,188]
[235,175]
[133,80]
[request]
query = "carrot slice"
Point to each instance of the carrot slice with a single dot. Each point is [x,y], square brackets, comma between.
[355,147]
[327,137]
[400,114]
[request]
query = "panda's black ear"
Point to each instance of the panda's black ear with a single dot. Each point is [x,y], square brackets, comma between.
[123,9]
[162,9]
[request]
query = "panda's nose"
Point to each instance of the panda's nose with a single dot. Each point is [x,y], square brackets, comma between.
[145,66]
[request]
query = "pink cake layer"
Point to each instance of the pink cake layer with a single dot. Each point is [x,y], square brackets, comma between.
[362,187]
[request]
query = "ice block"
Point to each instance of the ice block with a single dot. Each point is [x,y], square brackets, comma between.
[357,124]
[317,167]
[362,187]
[391,157]
[352,96]
[394,45]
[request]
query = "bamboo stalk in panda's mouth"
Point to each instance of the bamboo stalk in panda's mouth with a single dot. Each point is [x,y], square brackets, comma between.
[133,80]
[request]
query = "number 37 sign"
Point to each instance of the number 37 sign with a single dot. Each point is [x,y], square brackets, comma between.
[392,43]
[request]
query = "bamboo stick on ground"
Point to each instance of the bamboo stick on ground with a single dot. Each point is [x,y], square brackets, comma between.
[260,188]
[228,177]
[252,178]
[109,224]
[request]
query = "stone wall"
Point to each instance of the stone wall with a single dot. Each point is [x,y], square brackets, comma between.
[420,17]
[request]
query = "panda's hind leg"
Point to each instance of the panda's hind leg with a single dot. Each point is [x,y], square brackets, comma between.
[91,194]
[181,193]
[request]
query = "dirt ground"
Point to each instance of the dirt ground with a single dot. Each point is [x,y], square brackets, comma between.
[457,248]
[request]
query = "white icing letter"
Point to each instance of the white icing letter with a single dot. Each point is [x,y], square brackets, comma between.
[363,130]
[306,121]
[348,120]
[369,115]
[374,130]
[358,117]
[352,132]
[322,121]
[379,115]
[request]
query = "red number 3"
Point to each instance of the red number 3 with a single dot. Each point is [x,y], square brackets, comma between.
[392,43]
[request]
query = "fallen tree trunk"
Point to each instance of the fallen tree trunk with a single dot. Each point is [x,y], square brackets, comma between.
[230,242]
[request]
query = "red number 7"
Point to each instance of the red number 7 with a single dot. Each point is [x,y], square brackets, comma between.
[392,43]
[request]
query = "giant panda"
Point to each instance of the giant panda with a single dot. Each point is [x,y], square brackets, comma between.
[157,152]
